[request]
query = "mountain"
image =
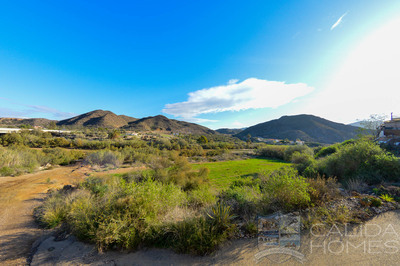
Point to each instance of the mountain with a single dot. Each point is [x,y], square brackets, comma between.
[357,124]
[42,122]
[304,127]
[98,118]
[128,119]
[230,131]
[107,119]
[164,124]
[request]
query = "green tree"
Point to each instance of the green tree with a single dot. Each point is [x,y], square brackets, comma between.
[202,140]
[115,134]
[25,126]
[248,138]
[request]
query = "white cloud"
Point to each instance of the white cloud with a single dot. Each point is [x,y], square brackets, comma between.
[366,83]
[238,124]
[47,110]
[232,81]
[251,93]
[337,23]
[199,120]
[33,110]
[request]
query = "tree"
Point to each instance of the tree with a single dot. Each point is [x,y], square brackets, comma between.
[115,134]
[372,125]
[248,138]
[202,140]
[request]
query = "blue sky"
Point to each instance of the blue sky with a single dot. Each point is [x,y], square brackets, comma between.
[217,63]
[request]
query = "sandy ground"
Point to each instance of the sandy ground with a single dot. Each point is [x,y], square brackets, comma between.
[19,196]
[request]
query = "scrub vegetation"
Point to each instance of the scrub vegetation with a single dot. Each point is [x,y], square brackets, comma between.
[195,192]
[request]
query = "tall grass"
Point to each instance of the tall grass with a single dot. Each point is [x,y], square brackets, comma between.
[16,160]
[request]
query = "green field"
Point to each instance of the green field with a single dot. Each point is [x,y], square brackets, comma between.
[222,174]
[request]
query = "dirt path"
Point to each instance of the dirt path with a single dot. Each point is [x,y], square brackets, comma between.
[19,196]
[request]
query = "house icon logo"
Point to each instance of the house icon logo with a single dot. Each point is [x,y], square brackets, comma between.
[278,237]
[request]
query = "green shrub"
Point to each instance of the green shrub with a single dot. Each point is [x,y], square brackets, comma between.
[375,202]
[250,228]
[53,212]
[56,207]
[15,160]
[199,236]
[83,216]
[104,158]
[244,200]
[285,189]
[126,212]
[325,151]
[272,151]
[303,161]
[180,173]
[299,149]
[6,171]
[201,197]
[372,201]
[58,156]
[362,158]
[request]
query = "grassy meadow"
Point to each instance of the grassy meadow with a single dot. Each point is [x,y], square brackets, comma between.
[223,173]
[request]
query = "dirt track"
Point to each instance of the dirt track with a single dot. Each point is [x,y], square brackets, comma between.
[19,196]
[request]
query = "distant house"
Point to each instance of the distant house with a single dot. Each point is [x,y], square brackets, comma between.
[390,131]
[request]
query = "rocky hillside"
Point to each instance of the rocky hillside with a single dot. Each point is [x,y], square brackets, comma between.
[42,122]
[98,118]
[164,124]
[304,127]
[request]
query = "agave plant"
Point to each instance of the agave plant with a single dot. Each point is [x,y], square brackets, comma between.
[221,216]
[387,198]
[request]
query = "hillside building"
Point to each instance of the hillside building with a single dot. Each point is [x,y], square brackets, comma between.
[390,131]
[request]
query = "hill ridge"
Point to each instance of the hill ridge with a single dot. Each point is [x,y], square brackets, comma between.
[97,118]
[164,124]
[305,127]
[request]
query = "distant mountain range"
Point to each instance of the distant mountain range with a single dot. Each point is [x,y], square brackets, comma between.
[42,122]
[358,124]
[159,123]
[304,127]
[230,131]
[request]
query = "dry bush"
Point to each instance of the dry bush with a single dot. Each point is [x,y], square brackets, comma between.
[356,184]
[323,189]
